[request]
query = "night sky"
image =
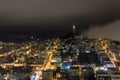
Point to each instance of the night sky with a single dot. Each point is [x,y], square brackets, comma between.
[57,17]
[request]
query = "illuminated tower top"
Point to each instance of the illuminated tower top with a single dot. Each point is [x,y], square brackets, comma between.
[74,32]
[73,26]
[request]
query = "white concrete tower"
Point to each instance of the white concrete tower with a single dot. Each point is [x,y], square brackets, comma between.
[74,31]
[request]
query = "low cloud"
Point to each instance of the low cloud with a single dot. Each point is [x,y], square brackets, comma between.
[111,31]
